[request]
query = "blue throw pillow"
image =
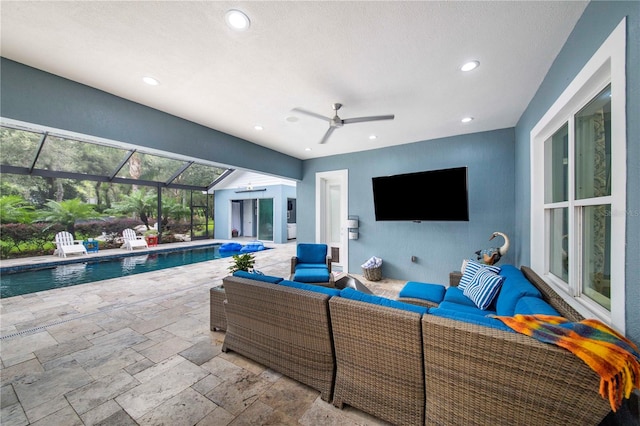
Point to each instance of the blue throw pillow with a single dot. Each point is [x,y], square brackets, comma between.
[483,288]
[470,271]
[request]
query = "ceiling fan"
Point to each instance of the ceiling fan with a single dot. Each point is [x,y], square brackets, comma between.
[337,122]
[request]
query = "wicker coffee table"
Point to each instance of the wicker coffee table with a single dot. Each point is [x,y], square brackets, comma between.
[349,281]
[218,318]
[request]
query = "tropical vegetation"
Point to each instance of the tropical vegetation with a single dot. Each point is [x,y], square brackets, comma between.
[242,262]
[38,199]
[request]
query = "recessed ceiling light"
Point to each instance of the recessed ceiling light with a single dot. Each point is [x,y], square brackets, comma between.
[150,81]
[471,65]
[467,119]
[258,127]
[237,20]
[292,119]
[372,137]
[307,149]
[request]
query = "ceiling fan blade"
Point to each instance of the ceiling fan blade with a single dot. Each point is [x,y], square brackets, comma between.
[325,138]
[311,114]
[364,119]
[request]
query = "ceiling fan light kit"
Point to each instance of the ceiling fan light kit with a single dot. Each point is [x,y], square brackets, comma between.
[337,122]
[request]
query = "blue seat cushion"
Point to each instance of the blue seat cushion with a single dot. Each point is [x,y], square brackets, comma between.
[311,275]
[353,294]
[470,318]
[474,310]
[455,295]
[514,287]
[310,265]
[528,305]
[257,277]
[311,253]
[417,290]
[311,287]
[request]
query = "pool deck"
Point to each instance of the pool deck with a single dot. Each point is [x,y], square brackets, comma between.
[52,260]
[138,350]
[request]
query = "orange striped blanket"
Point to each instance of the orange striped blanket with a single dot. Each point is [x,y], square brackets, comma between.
[615,358]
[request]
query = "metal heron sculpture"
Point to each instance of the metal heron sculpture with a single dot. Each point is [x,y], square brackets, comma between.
[492,255]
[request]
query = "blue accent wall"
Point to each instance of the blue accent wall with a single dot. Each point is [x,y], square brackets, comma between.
[279,193]
[34,96]
[438,246]
[597,22]
[498,161]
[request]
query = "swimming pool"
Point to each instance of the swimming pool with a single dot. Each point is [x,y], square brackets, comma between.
[98,269]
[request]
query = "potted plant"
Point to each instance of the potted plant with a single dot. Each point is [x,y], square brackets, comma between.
[234,232]
[151,236]
[242,262]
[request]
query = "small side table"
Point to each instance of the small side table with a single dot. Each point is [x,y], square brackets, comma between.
[152,240]
[218,320]
[91,246]
[454,278]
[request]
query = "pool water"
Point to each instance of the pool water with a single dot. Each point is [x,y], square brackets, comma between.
[33,280]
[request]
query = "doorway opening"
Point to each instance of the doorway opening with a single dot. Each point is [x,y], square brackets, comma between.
[332,202]
[252,218]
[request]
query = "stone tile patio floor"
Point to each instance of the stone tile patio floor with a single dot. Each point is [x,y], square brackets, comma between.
[138,350]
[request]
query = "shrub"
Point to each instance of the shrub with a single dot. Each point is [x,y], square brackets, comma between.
[28,239]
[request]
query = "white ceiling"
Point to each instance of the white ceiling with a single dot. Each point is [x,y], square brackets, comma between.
[382,57]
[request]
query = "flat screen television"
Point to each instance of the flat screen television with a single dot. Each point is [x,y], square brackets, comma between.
[433,195]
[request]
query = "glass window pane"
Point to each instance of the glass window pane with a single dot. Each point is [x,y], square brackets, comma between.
[593,147]
[150,167]
[559,243]
[334,213]
[556,163]
[17,147]
[265,219]
[199,175]
[67,155]
[596,254]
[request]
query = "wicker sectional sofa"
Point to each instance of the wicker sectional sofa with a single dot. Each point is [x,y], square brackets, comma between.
[406,365]
[287,329]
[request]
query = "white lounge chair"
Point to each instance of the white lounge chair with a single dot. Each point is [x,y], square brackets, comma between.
[65,244]
[131,240]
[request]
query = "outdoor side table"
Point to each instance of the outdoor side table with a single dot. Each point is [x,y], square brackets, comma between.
[218,318]
[91,246]
[454,278]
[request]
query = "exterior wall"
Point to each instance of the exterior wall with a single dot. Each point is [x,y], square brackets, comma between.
[439,246]
[279,193]
[34,96]
[595,25]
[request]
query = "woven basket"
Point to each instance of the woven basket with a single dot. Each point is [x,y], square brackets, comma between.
[373,274]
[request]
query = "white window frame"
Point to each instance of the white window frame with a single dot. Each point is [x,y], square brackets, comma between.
[606,66]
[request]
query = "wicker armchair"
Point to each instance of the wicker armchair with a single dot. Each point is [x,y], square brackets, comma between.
[312,265]
[285,329]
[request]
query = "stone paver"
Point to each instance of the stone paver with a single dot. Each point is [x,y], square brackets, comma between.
[138,350]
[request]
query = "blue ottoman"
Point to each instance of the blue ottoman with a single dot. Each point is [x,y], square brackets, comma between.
[318,276]
[423,294]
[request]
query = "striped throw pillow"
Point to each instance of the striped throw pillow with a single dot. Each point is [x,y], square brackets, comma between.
[483,288]
[470,271]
